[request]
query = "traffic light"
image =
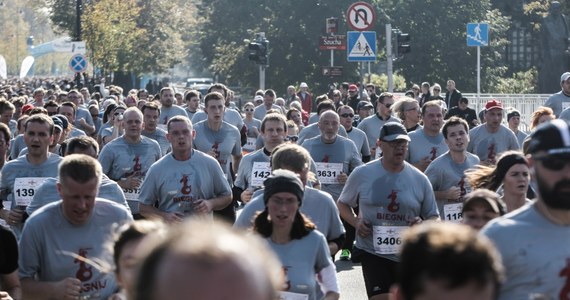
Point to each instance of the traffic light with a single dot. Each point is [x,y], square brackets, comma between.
[258,51]
[402,43]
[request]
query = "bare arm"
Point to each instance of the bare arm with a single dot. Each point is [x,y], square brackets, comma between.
[11,284]
[68,288]
[151,212]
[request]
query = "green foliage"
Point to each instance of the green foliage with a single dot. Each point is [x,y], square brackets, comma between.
[438,40]
[519,83]
[292,28]
[381,82]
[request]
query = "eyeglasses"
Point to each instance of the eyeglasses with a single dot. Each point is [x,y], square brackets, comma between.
[118,113]
[347,115]
[552,162]
[436,90]
[396,143]
[292,138]
[387,104]
[95,116]
[248,109]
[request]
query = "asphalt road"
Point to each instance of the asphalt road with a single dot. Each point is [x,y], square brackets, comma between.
[350,279]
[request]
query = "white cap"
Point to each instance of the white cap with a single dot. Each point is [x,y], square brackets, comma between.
[304,85]
[258,98]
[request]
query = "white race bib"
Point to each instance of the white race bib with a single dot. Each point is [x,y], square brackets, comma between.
[132,194]
[387,239]
[25,188]
[328,172]
[452,212]
[292,296]
[259,172]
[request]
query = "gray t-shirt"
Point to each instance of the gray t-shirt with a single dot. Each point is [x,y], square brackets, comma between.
[535,254]
[191,114]
[21,168]
[231,116]
[225,142]
[372,125]
[488,146]
[260,111]
[84,113]
[243,177]
[444,173]
[121,159]
[302,260]
[388,199]
[47,193]
[342,151]
[521,136]
[168,112]
[565,115]
[159,135]
[174,185]
[319,206]
[311,131]
[17,144]
[424,146]
[558,102]
[360,140]
[51,246]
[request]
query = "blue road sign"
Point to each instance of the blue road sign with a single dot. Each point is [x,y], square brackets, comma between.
[78,63]
[361,46]
[477,34]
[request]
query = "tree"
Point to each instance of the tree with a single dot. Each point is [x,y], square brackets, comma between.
[438,40]
[292,28]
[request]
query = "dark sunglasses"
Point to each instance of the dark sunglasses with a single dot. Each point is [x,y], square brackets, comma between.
[248,109]
[118,113]
[388,105]
[553,163]
[437,90]
[347,115]
[292,138]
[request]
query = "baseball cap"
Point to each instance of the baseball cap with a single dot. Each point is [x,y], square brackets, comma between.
[565,76]
[491,104]
[552,137]
[303,85]
[258,98]
[57,123]
[352,88]
[26,108]
[514,113]
[393,131]
[486,197]
[63,120]
[363,105]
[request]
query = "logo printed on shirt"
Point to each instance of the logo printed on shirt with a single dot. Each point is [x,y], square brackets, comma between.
[462,188]
[85,272]
[186,188]
[491,151]
[433,153]
[394,206]
[326,158]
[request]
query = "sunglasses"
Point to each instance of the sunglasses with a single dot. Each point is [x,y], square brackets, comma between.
[437,90]
[388,105]
[347,115]
[292,138]
[118,113]
[553,163]
[248,109]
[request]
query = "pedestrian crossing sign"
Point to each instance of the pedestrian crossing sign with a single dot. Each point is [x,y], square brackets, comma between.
[477,34]
[361,46]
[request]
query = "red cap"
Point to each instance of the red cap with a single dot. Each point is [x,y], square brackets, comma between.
[352,88]
[26,108]
[491,104]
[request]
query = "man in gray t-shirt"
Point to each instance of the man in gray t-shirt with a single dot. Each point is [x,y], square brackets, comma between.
[372,125]
[561,100]
[127,158]
[64,252]
[534,240]
[388,204]
[151,116]
[427,143]
[168,108]
[184,182]
[492,138]
[447,172]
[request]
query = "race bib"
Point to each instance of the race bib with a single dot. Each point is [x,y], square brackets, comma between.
[259,172]
[452,212]
[387,239]
[292,296]
[25,188]
[328,172]
[249,144]
[132,194]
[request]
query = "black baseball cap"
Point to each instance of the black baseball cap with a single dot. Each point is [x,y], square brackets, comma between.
[393,131]
[552,137]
